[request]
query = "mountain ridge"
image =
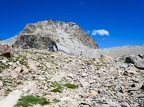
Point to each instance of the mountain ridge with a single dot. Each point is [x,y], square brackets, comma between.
[67,37]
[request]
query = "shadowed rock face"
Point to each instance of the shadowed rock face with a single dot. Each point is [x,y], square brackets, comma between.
[5,50]
[66,34]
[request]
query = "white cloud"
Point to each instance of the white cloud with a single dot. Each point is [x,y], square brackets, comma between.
[101,32]
[88,31]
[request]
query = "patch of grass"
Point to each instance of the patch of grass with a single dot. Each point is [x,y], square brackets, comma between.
[57,90]
[56,84]
[58,87]
[29,100]
[109,87]
[71,86]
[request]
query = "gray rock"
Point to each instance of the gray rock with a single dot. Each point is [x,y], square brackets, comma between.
[132,59]
[140,64]
[5,50]
[62,48]
[142,87]
[2,92]
[136,60]
[125,104]
[84,74]
[1,83]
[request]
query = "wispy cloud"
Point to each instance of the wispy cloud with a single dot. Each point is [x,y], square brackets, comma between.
[81,3]
[101,32]
[88,31]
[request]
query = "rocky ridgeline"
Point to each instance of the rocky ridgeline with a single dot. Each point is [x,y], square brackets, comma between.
[72,81]
[64,36]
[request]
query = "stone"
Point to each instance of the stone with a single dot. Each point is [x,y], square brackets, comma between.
[38,105]
[6,73]
[106,58]
[84,74]
[3,61]
[140,64]
[142,87]
[25,70]
[131,72]
[1,83]
[85,84]
[48,96]
[18,70]
[5,50]
[93,93]
[13,74]
[136,60]
[66,99]
[32,65]
[70,76]
[125,104]
[2,92]
[141,56]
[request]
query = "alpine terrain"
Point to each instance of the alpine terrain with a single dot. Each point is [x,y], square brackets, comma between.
[57,64]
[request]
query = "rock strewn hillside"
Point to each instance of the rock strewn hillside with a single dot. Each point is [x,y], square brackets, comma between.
[101,82]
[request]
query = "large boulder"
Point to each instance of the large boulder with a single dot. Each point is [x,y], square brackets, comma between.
[5,50]
[136,60]
[49,34]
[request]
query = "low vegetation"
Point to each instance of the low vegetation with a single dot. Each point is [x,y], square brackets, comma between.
[29,100]
[58,87]
[71,86]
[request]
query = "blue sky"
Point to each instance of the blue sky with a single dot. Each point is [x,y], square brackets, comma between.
[110,22]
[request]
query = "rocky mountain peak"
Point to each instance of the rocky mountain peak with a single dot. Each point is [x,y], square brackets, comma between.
[66,36]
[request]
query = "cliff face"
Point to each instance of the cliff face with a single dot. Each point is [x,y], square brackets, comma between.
[67,36]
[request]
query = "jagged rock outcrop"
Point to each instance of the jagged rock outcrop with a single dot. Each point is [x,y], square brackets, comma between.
[136,60]
[67,36]
[5,50]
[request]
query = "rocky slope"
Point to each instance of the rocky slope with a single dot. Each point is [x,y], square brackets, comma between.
[93,82]
[66,36]
[115,51]
[85,77]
